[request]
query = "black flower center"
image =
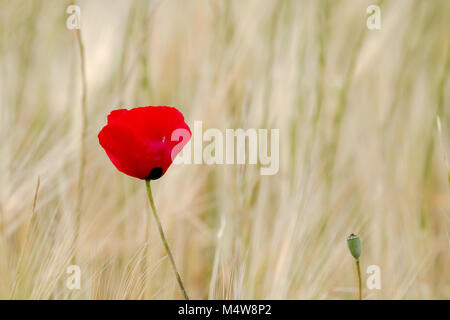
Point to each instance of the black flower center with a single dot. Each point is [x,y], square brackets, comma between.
[156,173]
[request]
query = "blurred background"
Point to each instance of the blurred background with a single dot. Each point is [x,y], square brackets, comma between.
[360,149]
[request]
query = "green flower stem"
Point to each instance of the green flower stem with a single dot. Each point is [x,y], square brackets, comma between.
[359,279]
[163,238]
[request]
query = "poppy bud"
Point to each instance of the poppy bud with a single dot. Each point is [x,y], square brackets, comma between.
[354,244]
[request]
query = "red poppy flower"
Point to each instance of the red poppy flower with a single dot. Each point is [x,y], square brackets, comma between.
[141,142]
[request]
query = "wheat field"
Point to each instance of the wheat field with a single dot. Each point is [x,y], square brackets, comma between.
[360,150]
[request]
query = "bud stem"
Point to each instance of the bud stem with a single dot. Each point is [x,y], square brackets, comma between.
[359,279]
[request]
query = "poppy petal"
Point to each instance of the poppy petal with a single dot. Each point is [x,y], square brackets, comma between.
[138,141]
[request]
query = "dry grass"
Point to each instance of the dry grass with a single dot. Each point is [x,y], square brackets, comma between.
[359,148]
